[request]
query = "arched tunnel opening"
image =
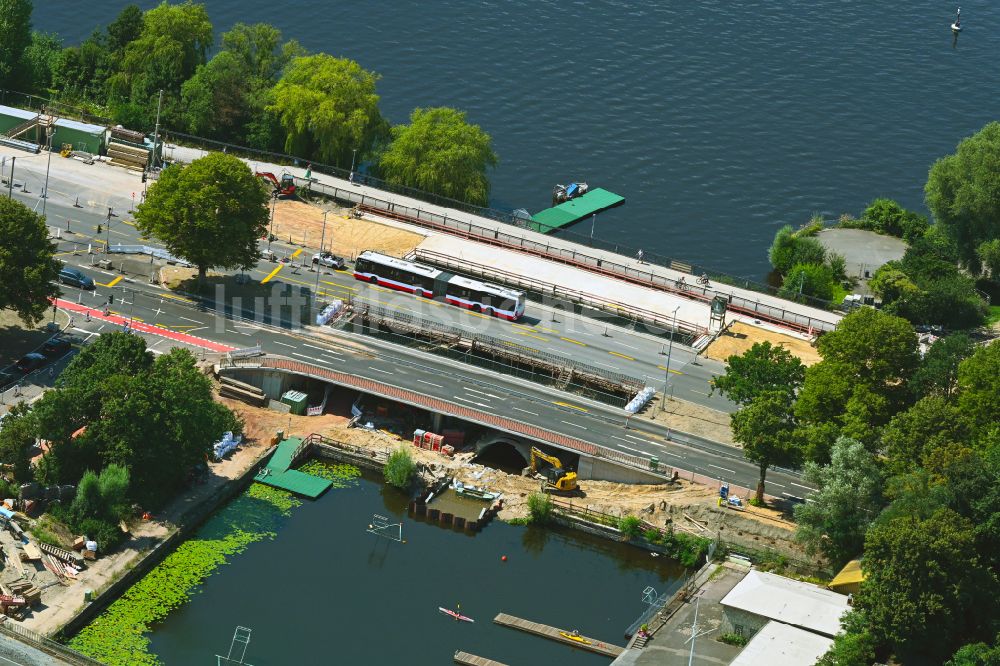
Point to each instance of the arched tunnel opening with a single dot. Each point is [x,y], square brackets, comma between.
[503,456]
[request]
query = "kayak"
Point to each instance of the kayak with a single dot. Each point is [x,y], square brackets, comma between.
[573,637]
[457,616]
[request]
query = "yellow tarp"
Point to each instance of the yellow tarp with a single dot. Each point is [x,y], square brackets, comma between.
[849,577]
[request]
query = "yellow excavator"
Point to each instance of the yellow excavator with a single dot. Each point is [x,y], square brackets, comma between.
[556,478]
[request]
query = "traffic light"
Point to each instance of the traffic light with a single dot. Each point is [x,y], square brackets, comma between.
[111,299]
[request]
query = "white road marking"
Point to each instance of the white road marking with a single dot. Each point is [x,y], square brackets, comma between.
[429,383]
[575,425]
[306,344]
[631,449]
[525,411]
[193,321]
[773,483]
[384,372]
[284,344]
[488,395]
[722,468]
[800,485]
[478,404]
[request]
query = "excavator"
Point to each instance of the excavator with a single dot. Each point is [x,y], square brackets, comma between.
[285,188]
[557,480]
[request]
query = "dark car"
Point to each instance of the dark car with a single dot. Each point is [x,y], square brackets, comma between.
[329,260]
[57,346]
[75,277]
[30,362]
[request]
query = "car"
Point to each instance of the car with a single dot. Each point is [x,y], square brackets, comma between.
[329,260]
[30,362]
[57,346]
[75,277]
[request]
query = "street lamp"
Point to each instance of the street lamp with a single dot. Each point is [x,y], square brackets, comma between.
[666,373]
[270,229]
[354,153]
[48,165]
[319,264]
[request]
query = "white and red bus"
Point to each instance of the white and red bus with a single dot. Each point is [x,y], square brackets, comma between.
[429,282]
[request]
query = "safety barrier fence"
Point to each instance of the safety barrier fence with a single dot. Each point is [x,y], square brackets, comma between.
[159,253]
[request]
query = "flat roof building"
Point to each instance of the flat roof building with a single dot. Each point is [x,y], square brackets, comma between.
[761,597]
[780,644]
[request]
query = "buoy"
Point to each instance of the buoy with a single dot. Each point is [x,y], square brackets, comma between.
[503,558]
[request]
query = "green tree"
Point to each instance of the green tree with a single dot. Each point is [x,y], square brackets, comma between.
[977,654]
[930,424]
[400,468]
[938,371]
[328,107]
[891,283]
[125,29]
[979,386]
[210,213]
[15,36]
[963,192]
[27,269]
[762,368]
[885,216]
[17,435]
[951,302]
[214,99]
[855,646]
[440,152]
[765,429]
[808,280]
[259,49]
[40,60]
[540,508]
[849,498]
[791,247]
[877,349]
[989,255]
[925,588]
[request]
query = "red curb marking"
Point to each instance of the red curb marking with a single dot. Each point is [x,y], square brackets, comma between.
[192,340]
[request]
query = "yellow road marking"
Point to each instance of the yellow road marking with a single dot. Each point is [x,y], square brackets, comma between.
[178,298]
[296,253]
[676,372]
[566,404]
[575,342]
[482,316]
[340,286]
[548,330]
[114,282]
[529,335]
[614,353]
[272,274]
[63,254]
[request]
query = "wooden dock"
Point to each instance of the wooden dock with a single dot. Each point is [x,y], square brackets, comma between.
[544,630]
[467,659]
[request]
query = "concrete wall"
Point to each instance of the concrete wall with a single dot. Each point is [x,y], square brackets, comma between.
[273,383]
[603,470]
[521,446]
[741,622]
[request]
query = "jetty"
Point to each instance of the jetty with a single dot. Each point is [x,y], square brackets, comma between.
[574,210]
[559,635]
[467,659]
[277,473]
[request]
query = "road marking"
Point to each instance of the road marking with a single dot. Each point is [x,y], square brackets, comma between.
[628,346]
[566,404]
[306,344]
[296,253]
[191,320]
[530,335]
[794,497]
[722,468]
[665,368]
[548,330]
[640,439]
[384,372]
[115,281]
[478,404]
[631,449]
[799,485]
[525,411]
[284,344]
[488,395]
[339,286]
[707,395]
[575,425]
[575,342]
[178,298]
[614,353]
[246,334]
[429,383]
[272,274]
[329,352]
[773,483]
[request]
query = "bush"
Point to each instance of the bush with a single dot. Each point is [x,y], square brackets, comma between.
[653,535]
[630,526]
[732,638]
[539,508]
[790,248]
[816,280]
[400,468]
[105,533]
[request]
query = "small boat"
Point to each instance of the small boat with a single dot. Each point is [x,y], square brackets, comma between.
[457,616]
[574,636]
[957,25]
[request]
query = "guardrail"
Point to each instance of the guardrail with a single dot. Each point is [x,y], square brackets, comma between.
[246,352]
[46,645]
[157,252]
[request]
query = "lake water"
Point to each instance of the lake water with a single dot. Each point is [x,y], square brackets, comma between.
[718,121]
[326,592]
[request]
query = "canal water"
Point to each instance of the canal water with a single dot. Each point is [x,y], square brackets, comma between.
[326,592]
[717,121]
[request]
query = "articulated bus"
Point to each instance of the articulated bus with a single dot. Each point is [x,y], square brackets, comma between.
[428,282]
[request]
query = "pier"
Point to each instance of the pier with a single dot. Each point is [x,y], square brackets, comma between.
[467,659]
[277,473]
[559,635]
[574,210]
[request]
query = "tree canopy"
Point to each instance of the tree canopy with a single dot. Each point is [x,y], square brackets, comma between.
[765,428]
[328,108]
[440,152]
[963,193]
[15,36]
[210,212]
[979,386]
[27,269]
[791,248]
[762,368]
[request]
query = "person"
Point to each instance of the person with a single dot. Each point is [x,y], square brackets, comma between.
[88,316]
[639,256]
[309,171]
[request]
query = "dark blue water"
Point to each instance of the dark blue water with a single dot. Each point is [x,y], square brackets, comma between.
[718,121]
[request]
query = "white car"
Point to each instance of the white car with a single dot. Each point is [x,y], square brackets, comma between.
[329,260]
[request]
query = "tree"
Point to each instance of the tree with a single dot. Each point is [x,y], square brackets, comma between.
[440,152]
[979,386]
[891,283]
[951,302]
[15,36]
[126,28]
[210,213]
[400,468]
[849,498]
[40,60]
[328,107]
[938,371]
[885,216]
[963,193]
[17,436]
[214,99]
[925,588]
[790,248]
[855,646]
[765,429]
[762,368]
[930,424]
[27,269]
[878,349]
[977,654]
[808,280]
[259,50]
[988,253]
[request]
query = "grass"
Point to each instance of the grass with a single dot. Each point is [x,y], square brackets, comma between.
[993,316]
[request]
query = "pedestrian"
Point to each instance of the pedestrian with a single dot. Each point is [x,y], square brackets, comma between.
[52,373]
[88,316]
[639,256]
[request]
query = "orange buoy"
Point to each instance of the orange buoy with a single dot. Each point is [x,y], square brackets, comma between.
[503,558]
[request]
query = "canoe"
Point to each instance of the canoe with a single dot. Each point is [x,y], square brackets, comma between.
[573,637]
[457,616]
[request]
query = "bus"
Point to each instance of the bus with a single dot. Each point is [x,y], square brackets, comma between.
[428,282]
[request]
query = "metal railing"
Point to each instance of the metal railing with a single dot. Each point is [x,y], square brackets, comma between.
[46,645]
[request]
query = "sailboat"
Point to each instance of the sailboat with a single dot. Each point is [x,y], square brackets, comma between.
[957,25]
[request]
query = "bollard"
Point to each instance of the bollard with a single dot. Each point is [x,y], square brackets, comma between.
[77,204]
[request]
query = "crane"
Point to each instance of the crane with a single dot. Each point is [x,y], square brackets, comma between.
[556,478]
[285,188]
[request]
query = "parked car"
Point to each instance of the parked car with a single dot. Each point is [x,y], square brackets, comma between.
[75,277]
[30,362]
[329,260]
[57,346]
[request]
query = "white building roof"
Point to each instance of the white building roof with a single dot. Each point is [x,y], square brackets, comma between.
[60,122]
[17,113]
[779,644]
[789,601]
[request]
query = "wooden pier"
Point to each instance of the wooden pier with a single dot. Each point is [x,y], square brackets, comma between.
[467,659]
[544,630]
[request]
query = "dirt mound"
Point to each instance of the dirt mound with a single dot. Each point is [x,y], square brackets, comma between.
[300,223]
[739,337]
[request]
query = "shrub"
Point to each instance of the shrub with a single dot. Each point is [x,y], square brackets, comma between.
[690,550]
[653,535]
[105,533]
[806,279]
[790,248]
[400,468]
[539,508]
[732,638]
[630,526]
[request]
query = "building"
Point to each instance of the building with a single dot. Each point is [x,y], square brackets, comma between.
[780,644]
[848,581]
[761,597]
[81,136]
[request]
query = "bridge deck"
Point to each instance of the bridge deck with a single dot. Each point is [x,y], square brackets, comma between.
[467,659]
[559,635]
